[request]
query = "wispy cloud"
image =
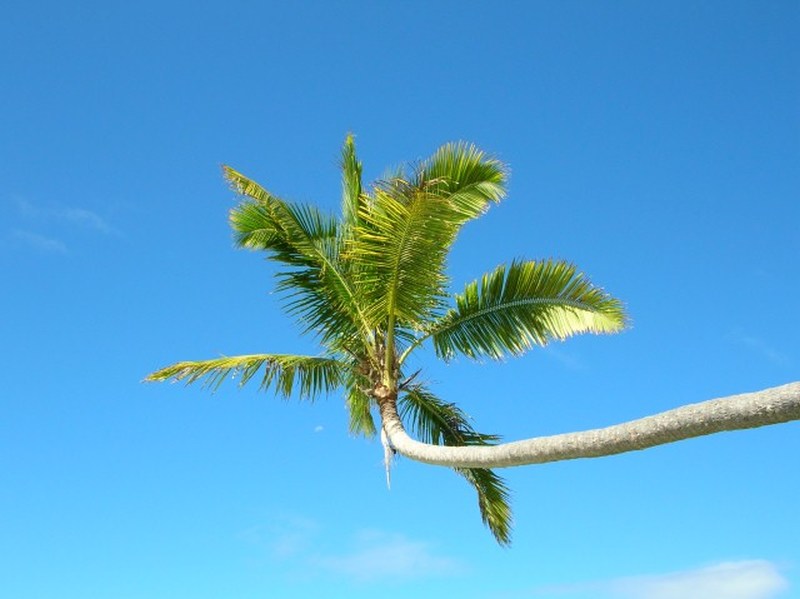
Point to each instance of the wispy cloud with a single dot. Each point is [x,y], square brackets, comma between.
[84,218]
[747,579]
[760,347]
[284,537]
[25,208]
[39,214]
[40,242]
[369,555]
[379,556]
[755,579]
[566,359]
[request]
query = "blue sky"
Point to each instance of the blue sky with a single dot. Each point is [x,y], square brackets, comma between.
[654,144]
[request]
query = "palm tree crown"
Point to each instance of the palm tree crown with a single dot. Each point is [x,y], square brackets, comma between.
[371,285]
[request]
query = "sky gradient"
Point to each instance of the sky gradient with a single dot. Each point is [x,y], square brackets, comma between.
[656,145]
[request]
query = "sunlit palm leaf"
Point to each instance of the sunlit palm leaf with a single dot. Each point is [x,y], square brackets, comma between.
[300,236]
[400,248]
[493,501]
[351,182]
[466,175]
[441,423]
[527,303]
[291,233]
[359,407]
[309,376]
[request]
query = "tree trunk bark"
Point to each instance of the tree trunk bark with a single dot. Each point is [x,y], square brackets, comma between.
[748,410]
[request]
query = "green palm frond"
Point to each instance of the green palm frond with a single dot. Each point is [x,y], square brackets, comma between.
[400,249]
[359,406]
[493,501]
[441,423]
[351,182]
[526,303]
[317,282]
[438,422]
[291,233]
[320,308]
[466,175]
[309,376]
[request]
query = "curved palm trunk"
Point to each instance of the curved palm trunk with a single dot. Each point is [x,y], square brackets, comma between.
[748,410]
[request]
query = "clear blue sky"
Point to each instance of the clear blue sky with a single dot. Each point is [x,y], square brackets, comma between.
[655,144]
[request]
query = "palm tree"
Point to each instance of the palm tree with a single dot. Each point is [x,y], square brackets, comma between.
[371,285]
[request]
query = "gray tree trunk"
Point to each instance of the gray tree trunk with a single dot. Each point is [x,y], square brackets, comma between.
[748,410]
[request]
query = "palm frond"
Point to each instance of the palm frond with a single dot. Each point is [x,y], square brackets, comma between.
[441,423]
[317,282]
[351,182]
[359,406]
[526,303]
[466,175]
[408,224]
[291,233]
[400,249]
[493,501]
[436,421]
[309,376]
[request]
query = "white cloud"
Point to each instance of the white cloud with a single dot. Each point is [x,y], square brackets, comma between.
[72,215]
[285,537]
[25,208]
[319,428]
[566,359]
[43,228]
[380,556]
[747,579]
[755,579]
[40,242]
[297,544]
[85,218]
[761,347]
